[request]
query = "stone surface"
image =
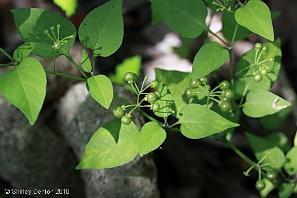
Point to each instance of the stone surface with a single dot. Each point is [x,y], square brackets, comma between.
[134,180]
[35,157]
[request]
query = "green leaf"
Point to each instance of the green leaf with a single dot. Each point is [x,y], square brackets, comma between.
[104,152]
[231,29]
[22,51]
[209,58]
[247,66]
[101,90]
[156,17]
[275,121]
[184,17]
[32,24]
[256,17]
[261,103]
[263,148]
[165,101]
[86,64]
[132,64]
[286,190]
[25,87]
[151,136]
[68,6]
[177,83]
[198,122]
[291,164]
[295,139]
[102,30]
[279,139]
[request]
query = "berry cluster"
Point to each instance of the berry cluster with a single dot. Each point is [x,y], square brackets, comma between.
[142,97]
[262,69]
[226,96]
[195,85]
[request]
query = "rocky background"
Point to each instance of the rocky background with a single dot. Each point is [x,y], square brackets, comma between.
[44,156]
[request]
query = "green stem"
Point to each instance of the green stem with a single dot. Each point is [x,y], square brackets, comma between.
[218,37]
[78,67]
[241,154]
[6,54]
[7,65]
[148,116]
[65,75]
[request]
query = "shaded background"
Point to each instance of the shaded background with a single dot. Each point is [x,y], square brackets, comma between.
[46,154]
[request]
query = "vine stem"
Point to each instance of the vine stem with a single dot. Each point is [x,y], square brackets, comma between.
[78,67]
[65,75]
[6,54]
[218,37]
[241,154]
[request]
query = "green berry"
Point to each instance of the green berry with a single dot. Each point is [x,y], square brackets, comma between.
[257,77]
[225,106]
[271,175]
[130,77]
[189,93]
[228,93]
[260,185]
[158,94]
[118,112]
[194,83]
[151,97]
[126,120]
[224,99]
[263,71]
[154,84]
[258,46]
[203,80]
[225,85]
[156,107]
[264,48]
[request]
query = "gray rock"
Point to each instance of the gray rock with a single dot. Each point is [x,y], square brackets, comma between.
[35,157]
[78,122]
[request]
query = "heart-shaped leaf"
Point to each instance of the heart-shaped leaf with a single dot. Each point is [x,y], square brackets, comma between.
[248,65]
[51,34]
[184,17]
[103,151]
[267,151]
[261,103]
[25,87]
[198,122]
[256,17]
[210,57]
[101,90]
[102,30]
[151,136]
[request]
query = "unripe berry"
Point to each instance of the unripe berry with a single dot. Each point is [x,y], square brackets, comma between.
[126,120]
[228,93]
[257,77]
[225,85]
[260,185]
[154,84]
[151,97]
[118,112]
[225,106]
[194,83]
[130,77]
[258,46]
[189,93]
[156,107]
